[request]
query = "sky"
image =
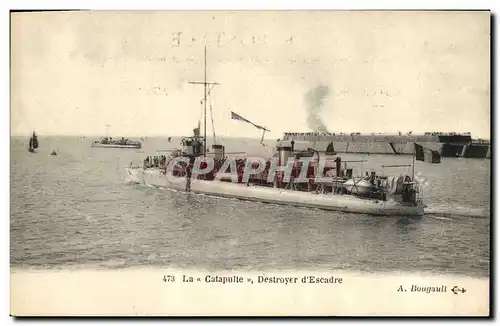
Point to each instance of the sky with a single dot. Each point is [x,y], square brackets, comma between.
[72,73]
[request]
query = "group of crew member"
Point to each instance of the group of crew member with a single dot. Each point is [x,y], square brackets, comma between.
[374,179]
[154,161]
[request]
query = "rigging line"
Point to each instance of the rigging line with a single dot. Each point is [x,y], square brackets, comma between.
[201,112]
[208,93]
[201,104]
[212,117]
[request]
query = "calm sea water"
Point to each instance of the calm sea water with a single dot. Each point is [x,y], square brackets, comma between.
[77,209]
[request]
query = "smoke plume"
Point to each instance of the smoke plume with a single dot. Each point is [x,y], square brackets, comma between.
[314,103]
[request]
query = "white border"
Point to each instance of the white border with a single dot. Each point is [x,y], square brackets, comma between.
[254,5]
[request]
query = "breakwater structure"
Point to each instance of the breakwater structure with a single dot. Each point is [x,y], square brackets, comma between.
[448,144]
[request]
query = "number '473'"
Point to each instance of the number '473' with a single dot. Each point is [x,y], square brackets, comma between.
[168,278]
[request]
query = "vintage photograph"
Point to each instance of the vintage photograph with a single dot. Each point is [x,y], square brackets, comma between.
[274,163]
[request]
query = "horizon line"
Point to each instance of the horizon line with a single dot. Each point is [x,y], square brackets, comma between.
[130,136]
[211,136]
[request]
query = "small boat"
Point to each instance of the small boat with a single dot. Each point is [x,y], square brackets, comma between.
[358,186]
[33,143]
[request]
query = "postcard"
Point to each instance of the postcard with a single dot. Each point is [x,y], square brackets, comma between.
[250,163]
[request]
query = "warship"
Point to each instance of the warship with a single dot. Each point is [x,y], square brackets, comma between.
[447,144]
[109,142]
[306,178]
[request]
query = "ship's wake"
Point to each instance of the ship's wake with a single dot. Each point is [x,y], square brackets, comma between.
[455,211]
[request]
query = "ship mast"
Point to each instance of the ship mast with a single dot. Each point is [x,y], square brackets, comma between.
[413,165]
[205,84]
[205,106]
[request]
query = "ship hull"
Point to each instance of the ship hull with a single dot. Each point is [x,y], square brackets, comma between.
[115,146]
[345,203]
[460,146]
